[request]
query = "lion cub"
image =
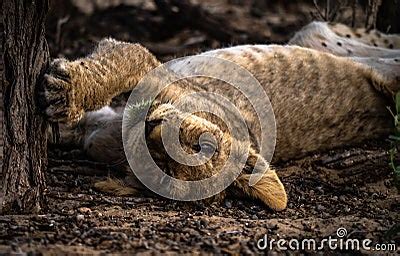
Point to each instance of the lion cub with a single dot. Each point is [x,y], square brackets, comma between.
[320,99]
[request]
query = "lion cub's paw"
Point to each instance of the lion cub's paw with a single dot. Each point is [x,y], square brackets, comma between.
[115,187]
[58,93]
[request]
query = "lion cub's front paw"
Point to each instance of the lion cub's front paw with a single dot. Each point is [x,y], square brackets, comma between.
[58,96]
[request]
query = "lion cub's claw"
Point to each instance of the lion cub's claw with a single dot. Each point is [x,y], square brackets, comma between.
[57,97]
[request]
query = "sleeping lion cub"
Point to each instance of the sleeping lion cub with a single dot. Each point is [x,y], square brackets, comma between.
[333,95]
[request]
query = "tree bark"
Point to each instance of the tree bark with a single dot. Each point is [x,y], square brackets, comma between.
[24,129]
[388,19]
[1,93]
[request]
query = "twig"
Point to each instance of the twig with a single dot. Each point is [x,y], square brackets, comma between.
[319,11]
[331,10]
[353,14]
[372,13]
[327,9]
[60,23]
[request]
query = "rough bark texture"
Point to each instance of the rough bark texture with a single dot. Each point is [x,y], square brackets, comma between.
[24,130]
[1,90]
[388,16]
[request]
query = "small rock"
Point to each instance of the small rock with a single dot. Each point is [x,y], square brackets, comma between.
[52,222]
[228,203]
[80,217]
[254,217]
[271,226]
[85,210]
[139,200]
[203,222]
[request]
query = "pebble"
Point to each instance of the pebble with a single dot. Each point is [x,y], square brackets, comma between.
[80,217]
[254,217]
[203,222]
[228,203]
[85,210]
[271,226]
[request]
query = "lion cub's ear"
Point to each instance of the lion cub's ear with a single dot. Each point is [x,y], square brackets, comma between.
[268,188]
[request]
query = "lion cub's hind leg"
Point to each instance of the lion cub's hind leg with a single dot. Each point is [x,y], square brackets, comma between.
[340,40]
[102,141]
[385,73]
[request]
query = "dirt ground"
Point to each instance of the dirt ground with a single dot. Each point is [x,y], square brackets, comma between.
[349,188]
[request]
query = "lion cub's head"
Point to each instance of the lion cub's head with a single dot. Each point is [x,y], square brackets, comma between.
[201,148]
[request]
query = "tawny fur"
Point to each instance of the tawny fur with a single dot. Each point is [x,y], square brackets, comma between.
[320,101]
[90,83]
[116,187]
[269,190]
[340,40]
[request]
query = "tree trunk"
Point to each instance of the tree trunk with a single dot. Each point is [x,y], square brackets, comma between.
[25,143]
[1,94]
[388,19]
